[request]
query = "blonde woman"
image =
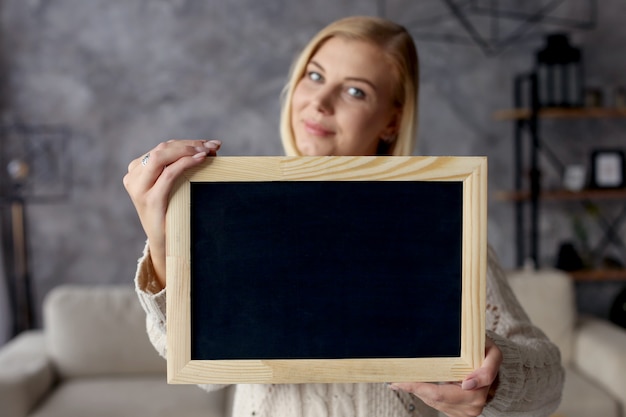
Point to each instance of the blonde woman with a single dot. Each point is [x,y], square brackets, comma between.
[353,91]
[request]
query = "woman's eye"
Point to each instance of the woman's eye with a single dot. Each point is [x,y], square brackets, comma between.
[314,76]
[356,92]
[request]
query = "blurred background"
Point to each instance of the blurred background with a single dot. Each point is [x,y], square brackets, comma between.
[87,86]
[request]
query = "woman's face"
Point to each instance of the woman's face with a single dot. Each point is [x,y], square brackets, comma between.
[344,103]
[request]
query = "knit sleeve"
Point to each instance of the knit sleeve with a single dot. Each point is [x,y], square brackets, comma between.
[152,299]
[531,375]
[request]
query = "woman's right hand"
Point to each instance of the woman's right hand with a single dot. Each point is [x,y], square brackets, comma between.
[149,181]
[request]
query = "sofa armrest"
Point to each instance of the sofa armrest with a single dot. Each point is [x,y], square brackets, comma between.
[26,373]
[599,353]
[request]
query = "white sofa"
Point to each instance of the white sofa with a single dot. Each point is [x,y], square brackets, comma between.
[94,359]
[593,350]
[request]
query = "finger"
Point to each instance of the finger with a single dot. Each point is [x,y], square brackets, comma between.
[447,398]
[411,387]
[438,396]
[169,150]
[141,178]
[172,148]
[487,373]
[165,181]
[181,154]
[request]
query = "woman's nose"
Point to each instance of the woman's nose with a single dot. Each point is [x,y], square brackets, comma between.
[324,100]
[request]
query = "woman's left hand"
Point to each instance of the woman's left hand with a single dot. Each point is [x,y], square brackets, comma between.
[461,399]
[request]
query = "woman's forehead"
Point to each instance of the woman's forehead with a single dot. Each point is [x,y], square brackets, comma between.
[352,55]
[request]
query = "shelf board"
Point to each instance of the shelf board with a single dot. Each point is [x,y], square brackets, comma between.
[563,113]
[593,275]
[564,195]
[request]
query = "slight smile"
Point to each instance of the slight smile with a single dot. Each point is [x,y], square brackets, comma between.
[316,129]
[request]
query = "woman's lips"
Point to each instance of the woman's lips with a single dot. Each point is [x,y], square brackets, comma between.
[317,129]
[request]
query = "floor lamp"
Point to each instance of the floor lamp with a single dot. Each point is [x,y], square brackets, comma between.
[36,171]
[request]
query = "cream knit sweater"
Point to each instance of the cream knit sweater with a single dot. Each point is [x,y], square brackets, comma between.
[530,378]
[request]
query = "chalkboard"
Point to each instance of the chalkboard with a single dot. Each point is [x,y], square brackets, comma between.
[327,269]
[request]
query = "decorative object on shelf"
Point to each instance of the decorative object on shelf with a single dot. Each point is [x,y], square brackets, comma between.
[608,169]
[496,24]
[568,258]
[611,262]
[619,97]
[559,71]
[574,177]
[594,97]
[581,238]
[35,168]
[618,309]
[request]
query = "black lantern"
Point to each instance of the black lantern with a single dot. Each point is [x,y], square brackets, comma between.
[560,73]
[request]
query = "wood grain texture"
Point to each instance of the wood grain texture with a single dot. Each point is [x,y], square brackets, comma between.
[332,168]
[471,171]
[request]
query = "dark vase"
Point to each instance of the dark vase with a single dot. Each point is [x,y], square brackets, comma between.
[618,309]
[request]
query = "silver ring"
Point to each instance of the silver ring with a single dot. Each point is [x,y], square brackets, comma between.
[144,161]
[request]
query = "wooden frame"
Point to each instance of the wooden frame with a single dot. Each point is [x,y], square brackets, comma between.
[471,172]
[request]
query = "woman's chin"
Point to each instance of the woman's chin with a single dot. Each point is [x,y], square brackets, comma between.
[314,150]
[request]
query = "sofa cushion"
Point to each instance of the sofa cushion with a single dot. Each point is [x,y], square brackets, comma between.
[148,396]
[25,373]
[583,398]
[601,353]
[98,330]
[548,297]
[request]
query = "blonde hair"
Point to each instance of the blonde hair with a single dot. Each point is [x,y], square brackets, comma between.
[397,43]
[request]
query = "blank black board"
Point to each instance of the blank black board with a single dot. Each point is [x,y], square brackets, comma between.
[326,269]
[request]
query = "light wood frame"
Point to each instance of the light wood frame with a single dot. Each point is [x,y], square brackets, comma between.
[471,171]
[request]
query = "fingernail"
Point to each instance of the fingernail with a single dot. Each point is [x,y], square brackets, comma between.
[213,144]
[199,155]
[391,386]
[469,384]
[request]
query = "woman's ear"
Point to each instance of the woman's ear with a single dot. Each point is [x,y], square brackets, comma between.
[390,133]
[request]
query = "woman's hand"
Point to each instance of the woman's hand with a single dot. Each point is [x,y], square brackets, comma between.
[461,399]
[150,179]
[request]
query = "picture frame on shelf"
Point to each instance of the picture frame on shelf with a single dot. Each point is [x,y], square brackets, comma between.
[574,177]
[608,169]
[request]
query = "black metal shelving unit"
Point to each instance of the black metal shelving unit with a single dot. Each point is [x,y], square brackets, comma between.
[528,194]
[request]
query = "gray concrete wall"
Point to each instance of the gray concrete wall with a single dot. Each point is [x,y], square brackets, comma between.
[123,75]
